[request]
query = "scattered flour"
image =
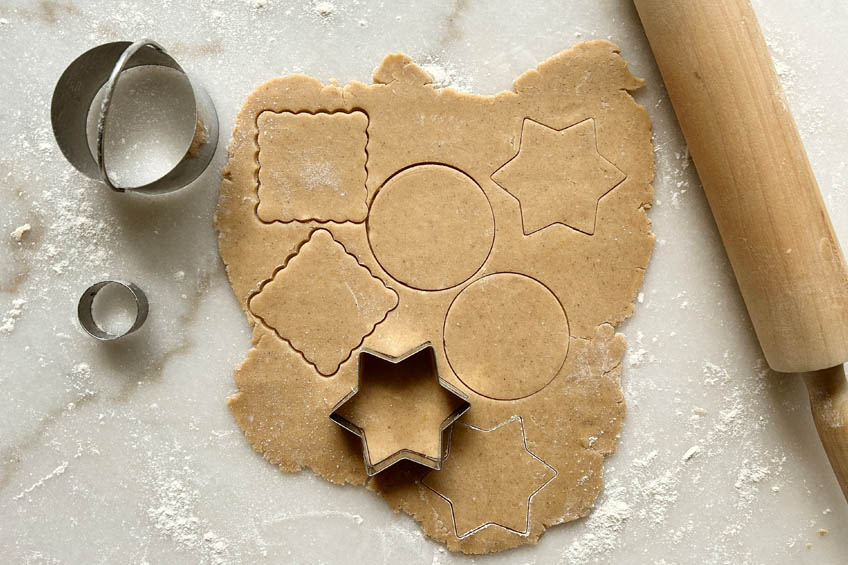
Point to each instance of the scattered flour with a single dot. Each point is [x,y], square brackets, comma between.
[324,9]
[86,233]
[440,556]
[19,232]
[80,382]
[11,318]
[319,174]
[636,357]
[691,452]
[713,374]
[173,513]
[784,71]
[748,480]
[60,470]
[173,516]
[645,461]
[321,514]
[657,495]
[604,525]
[60,266]
[445,75]
[656,479]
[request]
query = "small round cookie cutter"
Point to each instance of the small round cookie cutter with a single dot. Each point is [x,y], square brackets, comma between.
[86,316]
[103,65]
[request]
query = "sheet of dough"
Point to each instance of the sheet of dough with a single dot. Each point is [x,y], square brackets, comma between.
[509,231]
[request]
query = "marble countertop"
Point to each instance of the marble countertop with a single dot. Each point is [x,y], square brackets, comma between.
[126,451]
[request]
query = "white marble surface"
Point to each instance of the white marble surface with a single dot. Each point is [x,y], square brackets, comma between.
[126,452]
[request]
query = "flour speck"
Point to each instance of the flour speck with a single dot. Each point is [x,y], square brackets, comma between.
[324,9]
[19,232]
[11,317]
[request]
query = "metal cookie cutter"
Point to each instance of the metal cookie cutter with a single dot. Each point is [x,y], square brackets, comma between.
[86,318]
[76,90]
[426,352]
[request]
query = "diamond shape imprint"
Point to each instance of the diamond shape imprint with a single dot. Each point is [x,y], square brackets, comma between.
[323,302]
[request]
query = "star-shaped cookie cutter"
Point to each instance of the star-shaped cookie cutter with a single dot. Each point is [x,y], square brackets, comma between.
[371,467]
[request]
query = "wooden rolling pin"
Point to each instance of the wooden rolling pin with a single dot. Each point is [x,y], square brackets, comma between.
[762,192]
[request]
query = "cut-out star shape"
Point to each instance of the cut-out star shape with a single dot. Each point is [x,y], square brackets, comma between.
[400,408]
[558,176]
[490,477]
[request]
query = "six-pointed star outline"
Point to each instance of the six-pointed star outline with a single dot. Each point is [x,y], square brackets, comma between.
[479,498]
[558,176]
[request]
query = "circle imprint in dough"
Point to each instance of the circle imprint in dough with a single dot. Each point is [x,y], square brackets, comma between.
[506,336]
[431,227]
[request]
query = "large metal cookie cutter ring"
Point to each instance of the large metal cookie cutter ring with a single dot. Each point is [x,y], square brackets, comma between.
[80,84]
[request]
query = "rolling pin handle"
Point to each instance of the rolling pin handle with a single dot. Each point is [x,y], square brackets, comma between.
[829,403]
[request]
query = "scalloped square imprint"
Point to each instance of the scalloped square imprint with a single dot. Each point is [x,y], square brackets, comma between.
[312,166]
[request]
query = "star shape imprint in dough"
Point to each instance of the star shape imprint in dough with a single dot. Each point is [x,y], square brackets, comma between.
[490,477]
[400,408]
[323,302]
[558,176]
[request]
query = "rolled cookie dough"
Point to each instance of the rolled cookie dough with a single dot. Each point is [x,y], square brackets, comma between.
[508,231]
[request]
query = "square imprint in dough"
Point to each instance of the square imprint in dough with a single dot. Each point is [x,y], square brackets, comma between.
[312,166]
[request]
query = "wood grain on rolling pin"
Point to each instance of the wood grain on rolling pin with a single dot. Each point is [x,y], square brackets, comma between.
[756,176]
